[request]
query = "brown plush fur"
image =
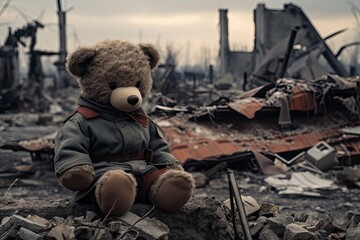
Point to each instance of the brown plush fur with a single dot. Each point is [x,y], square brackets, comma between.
[78,178]
[115,61]
[171,173]
[115,191]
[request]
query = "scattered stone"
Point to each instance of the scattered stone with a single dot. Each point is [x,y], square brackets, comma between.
[268,235]
[150,228]
[269,210]
[114,226]
[103,234]
[5,224]
[326,224]
[278,224]
[79,219]
[258,225]
[39,220]
[90,216]
[57,220]
[352,219]
[10,233]
[250,204]
[17,220]
[353,233]
[294,231]
[61,232]
[83,233]
[26,234]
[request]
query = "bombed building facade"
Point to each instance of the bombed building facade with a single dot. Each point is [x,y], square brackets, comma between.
[285,44]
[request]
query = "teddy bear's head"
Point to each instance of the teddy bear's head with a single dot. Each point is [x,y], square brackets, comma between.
[114,72]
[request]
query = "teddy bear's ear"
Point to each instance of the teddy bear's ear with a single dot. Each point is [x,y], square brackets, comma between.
[77,62]
[152,54]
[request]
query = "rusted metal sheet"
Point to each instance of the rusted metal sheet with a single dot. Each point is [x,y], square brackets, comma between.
[247,108]
[302,101]
[203,140]
[204,149]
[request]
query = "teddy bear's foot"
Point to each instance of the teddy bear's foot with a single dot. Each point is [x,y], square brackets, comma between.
[172,190]
[117,190]
[78,178]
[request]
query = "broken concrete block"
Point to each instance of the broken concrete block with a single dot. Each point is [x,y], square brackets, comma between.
[83,233]
[294,231]
[57,220]
[103,234]
[5,224]
[352,219]
[26,234]
[114,226]
[37,219]
[10,233]
[19,221]
[278,224]
[258,225]
[353,233]
[150,228]
[79,219]
[61,232]
[90,216]
[268,235]
[269,210]
[250,204]
[326,224]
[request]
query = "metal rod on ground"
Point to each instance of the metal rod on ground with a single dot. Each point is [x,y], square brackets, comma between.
[239,204]
[233,212]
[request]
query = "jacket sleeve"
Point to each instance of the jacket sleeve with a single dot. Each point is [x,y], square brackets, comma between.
[71,145]
[162,156]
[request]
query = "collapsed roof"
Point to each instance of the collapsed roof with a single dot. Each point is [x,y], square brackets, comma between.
[285,117]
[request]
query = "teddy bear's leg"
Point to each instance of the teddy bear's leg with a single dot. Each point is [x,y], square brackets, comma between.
[115,189]
[172,190]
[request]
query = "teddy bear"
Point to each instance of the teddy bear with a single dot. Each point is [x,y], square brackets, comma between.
[109,151]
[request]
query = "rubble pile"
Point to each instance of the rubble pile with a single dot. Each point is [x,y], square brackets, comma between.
[63,219]
[208,218]
[270,223]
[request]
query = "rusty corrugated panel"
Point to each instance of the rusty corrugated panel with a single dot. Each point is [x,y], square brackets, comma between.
[302,101]
[203,149]
[187,145]
[247,108]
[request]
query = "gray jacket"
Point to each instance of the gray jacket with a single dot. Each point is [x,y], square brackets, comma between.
[112,133]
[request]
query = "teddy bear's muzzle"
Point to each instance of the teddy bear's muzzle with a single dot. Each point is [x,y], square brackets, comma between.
[126,99]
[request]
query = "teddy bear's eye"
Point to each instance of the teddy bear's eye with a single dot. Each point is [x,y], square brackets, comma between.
[112,85]
[138,83]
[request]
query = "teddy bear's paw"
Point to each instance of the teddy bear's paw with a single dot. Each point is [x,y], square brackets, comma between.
[78,178]
[172,190]
[115,191]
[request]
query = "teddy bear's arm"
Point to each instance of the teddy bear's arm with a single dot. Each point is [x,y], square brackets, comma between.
[161,151]
[72,163]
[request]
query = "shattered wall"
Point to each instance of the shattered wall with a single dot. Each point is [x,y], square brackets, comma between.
[308,57]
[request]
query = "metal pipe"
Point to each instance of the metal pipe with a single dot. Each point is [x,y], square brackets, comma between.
[234,192]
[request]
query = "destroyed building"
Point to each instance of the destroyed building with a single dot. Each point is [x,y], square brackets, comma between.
[306,55]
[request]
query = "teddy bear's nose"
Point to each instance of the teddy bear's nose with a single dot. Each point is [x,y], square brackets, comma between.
[132,99]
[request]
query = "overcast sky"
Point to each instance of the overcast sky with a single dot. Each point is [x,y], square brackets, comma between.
[184,24]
